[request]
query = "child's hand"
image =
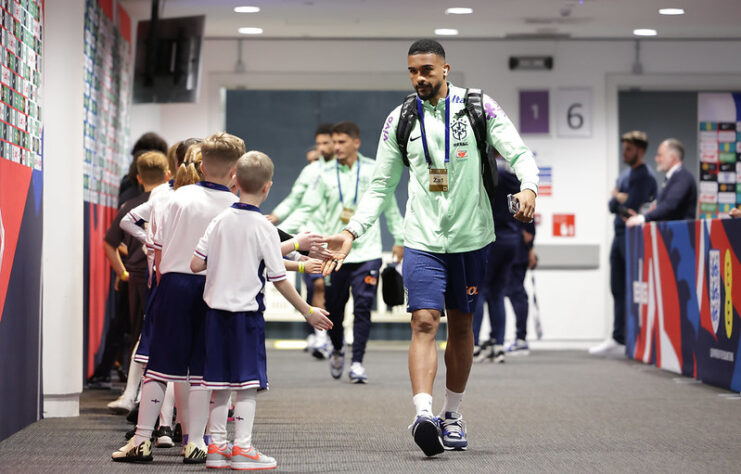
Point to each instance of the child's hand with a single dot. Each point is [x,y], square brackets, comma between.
[306,240]
[312,265]
[317,317]
[320,251]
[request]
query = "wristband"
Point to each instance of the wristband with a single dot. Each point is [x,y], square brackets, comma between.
[301,267]
[311,311]
[124,276]
[295,245]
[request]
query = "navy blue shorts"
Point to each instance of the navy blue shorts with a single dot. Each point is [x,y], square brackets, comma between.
[177,344]
[142,351]
[443,280]
[235,351]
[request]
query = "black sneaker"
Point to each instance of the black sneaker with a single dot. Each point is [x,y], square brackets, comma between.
[177,434]
[163,437]
[427,434]
[133,415]
[132,453]
[99,382]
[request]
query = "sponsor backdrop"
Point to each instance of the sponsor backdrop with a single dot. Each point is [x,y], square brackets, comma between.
[719,117]
[21,180]
[684,297]
[106,103]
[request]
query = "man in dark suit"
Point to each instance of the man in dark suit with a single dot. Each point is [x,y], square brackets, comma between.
[677,199]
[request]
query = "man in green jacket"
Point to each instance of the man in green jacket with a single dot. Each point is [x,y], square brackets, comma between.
[448,228]
[335,196]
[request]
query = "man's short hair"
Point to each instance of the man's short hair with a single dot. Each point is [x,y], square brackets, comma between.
[152,167]
[348,128]
[183,148]
[676,147]
[637,138]
[426,46]
[221,151]
[254,170]
[323,129]
[150,141]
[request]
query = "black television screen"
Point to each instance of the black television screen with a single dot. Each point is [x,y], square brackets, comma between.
[168,69]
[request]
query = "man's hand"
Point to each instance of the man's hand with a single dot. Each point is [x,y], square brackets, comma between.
[614,192]
[340,245]
[318,318]
[735,212]
[621,197]
[397,253]
[526,199]
[272,218]
[527,236]
[633,221]
[631,213]
[532,259]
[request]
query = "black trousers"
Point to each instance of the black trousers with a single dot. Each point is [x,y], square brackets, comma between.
[617,286]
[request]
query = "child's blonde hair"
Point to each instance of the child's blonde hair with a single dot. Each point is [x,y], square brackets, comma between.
[172,159]
[190,171]
[220,153]
[254,170]
[152,167]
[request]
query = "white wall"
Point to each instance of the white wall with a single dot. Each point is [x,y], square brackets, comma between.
[575,304]
[63,212]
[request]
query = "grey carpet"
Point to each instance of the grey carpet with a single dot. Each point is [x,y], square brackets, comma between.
[550,412]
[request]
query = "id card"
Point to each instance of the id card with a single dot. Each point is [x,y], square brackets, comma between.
[346,214]
[438,179]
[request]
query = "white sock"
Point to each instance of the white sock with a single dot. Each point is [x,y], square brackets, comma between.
[198,408]
[136,370]
[452,402]
[182,392]
[422,403]
[153,393]
[218,417]
[168,406]
[244,417]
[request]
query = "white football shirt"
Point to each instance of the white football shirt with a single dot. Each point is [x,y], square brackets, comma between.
[184,220]
[240,247]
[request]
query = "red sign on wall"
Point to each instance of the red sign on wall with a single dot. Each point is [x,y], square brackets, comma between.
[564,225]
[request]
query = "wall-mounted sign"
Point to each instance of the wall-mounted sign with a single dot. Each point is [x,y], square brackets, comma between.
[574,112]
[545,187]
[564,225]
[534,112]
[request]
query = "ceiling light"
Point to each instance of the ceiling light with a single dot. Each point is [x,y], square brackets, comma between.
[446,32]
[249,30]
[246,9]
[459,11]
[671,11]
[645,32]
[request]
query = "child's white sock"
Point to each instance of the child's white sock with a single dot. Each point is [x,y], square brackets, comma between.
[219,414]
[153,393]
[244,417]
[198,408]
[167,406]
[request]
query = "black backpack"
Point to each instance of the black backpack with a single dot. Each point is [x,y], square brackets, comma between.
[392,286]
[474,109]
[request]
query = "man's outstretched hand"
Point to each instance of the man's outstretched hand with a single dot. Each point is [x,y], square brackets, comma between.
[340,245]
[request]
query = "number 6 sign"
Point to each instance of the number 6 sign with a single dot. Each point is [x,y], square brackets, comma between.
[574,111]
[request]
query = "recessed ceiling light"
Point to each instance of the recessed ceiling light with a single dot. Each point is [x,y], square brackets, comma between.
[446,32]
[645,32]
[459,11]
[671,11]
[246,9]
[249,30]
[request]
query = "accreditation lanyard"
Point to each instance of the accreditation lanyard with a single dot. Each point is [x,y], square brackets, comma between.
[357,182]
[423,131]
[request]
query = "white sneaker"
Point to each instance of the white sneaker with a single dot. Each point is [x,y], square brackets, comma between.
[609,348]
[121,405]
[321,345]
[357,373]
[310,343]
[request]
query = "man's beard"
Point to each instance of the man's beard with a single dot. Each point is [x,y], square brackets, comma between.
[434,90]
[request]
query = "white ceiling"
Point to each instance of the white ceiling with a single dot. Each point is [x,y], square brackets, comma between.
[491,19]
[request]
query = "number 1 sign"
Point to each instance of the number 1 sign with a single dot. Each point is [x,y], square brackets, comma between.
[574,111]
[534,114]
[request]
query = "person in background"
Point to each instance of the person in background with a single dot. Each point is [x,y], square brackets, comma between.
[129,186]
[524,259]
[635,187]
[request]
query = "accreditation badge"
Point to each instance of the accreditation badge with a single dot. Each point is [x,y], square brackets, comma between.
[438,179]
[346,214]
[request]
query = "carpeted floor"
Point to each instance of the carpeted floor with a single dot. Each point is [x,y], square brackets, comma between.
[554,411]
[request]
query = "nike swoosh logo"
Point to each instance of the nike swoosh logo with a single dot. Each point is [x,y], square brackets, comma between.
[412,139]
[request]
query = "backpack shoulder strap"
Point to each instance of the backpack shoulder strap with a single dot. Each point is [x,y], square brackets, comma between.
[474,102]
[407,116]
